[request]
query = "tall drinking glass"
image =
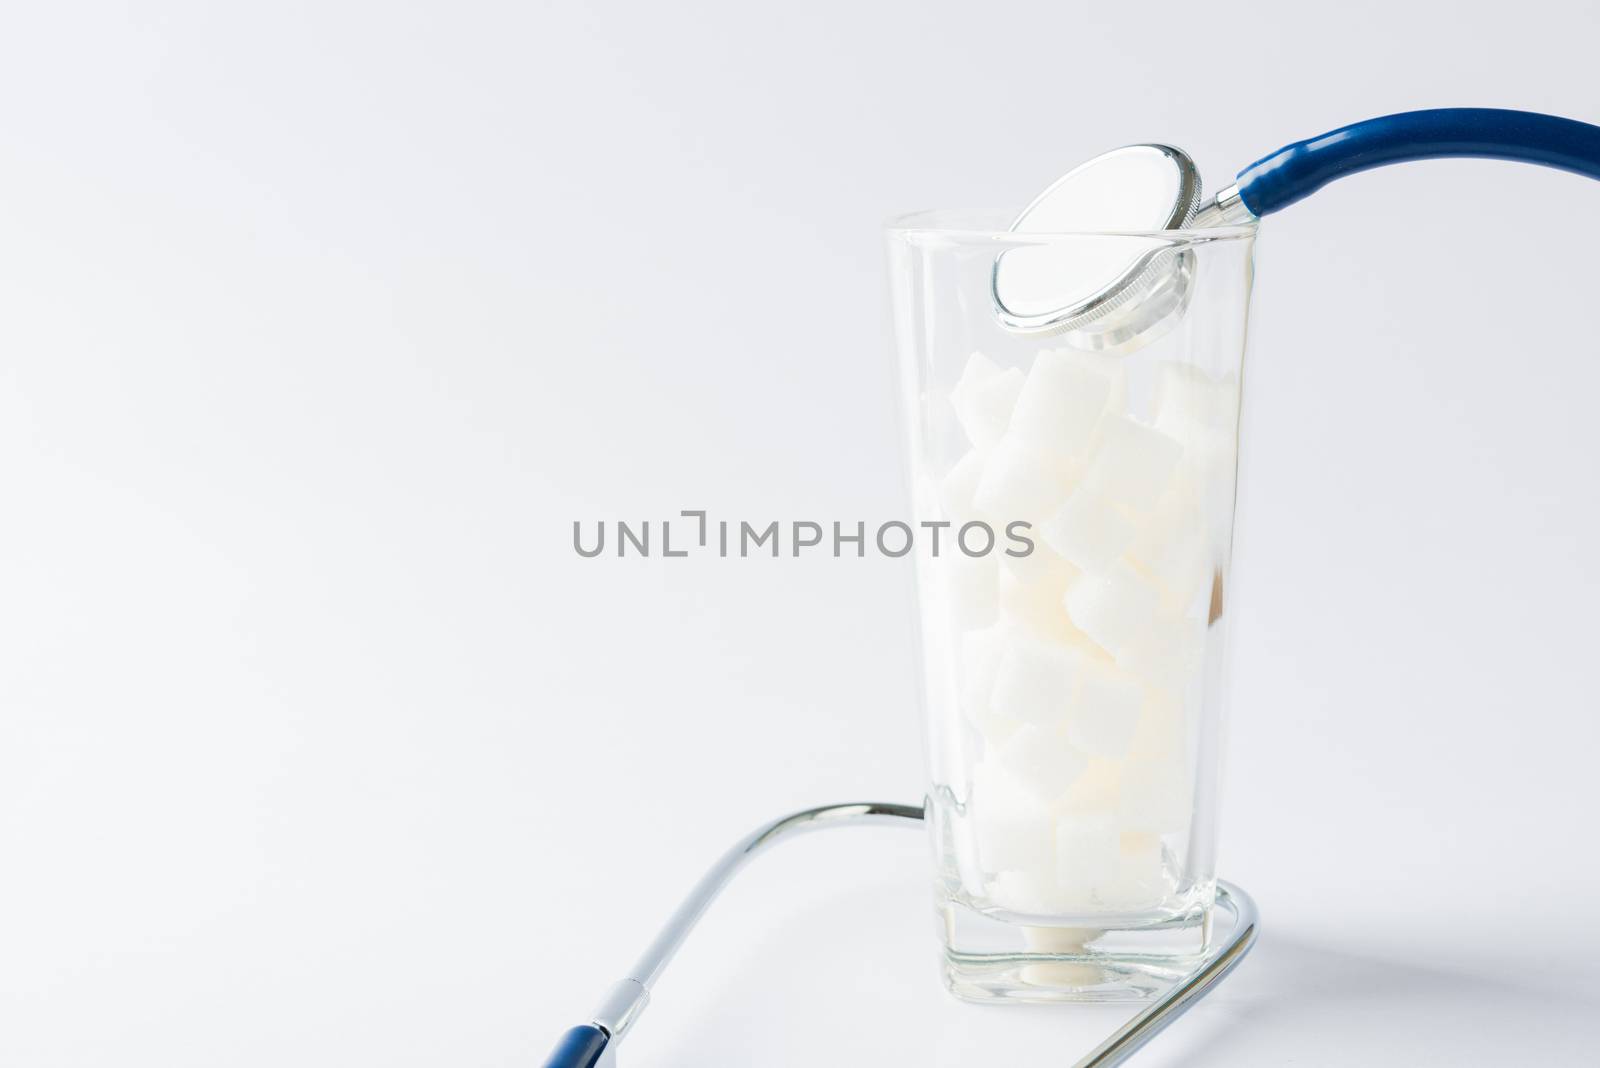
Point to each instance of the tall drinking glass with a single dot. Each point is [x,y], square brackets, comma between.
[1073,676]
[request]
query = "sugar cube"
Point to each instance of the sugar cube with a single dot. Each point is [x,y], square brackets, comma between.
[1157,792]
[956,490]
[1015,829]
[1026,890]
[979,658]
[1210,466]
[1021,483]
[1096,790]
[1214,468]
[1163,725]
[1133,463]
[984,398]
[1187,394]
[1169,654]
[1138,878]
[1173,547]
[1035,679]
[1062,401]
[1116,607]
[1106,712]
[1114,368]
[1089,530]
[1088,852]
[1042,563]
[1042,761]
[1036,605]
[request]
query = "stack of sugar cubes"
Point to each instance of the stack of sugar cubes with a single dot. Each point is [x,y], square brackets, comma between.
[1079,663]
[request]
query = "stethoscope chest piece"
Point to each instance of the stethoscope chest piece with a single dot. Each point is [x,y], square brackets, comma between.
[1095,290]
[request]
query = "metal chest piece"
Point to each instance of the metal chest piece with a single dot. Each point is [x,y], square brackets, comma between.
[1103,289]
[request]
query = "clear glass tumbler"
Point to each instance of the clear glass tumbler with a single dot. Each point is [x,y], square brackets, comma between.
[1073,682]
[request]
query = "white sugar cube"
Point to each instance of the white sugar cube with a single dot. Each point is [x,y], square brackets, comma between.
[1187,394]
[984,398]
[1062,401]
[980,652]
[1138,879]
[1114,368]
[1169,655]
[997,731]
[1089,530]
[1042,567]
[1088,853]
[1096,790]
[1036,605]
[973,586]
[1197,436]
[1176,517]
[1163,728]
[1106,712]
[1157,792]
[1015,828]
[956,490]
[1186,576]
[1173,547]
[1042,761]
[1133,464]
[1208,445]
[1210,466]
[977,370]
[1035,680]
[1031,891]
[1116,608]
[979,660]
[1041,563]
[1021,483]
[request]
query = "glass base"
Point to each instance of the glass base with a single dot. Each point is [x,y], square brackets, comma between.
[989,959]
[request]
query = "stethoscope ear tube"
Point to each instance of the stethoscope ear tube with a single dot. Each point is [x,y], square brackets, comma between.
[1296,171]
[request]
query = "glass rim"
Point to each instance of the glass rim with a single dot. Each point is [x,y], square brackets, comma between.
[959,225]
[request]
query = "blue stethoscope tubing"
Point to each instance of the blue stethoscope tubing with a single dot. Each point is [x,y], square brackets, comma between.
[1270,184]
[1295,171]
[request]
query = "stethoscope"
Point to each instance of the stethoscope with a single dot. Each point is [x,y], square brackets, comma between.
[1117,307]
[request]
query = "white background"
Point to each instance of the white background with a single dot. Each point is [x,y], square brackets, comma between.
[320,324]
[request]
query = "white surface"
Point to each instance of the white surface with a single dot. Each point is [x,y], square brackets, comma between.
[322,323]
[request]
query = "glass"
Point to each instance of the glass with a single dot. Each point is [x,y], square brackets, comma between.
[1073,675]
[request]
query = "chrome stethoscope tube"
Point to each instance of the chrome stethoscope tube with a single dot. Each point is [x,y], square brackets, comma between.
[596,1042]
